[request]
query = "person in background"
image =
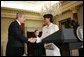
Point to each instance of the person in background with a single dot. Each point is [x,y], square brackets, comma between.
[37,50]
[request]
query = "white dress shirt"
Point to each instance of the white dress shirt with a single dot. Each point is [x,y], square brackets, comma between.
[18,22]
[48,30]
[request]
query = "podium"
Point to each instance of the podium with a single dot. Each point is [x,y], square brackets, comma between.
[66,41]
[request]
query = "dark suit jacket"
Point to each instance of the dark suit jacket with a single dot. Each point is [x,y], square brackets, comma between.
[15,36]
[16,40]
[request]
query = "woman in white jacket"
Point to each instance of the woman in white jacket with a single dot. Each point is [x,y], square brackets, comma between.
[48,29]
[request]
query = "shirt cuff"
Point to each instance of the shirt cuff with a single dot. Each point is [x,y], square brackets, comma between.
[38,40]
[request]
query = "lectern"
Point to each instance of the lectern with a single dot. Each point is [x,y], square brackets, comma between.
[66,41]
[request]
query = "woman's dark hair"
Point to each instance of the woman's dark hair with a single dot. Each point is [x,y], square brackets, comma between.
[35,30]
[49,16]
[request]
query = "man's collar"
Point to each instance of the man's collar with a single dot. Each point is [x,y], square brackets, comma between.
[18,22]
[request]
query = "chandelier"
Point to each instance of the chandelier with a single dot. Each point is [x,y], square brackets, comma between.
[51,7]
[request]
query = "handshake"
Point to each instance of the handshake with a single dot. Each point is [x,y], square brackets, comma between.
[34,40]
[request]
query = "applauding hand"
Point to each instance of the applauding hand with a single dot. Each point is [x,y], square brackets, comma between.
[32,40]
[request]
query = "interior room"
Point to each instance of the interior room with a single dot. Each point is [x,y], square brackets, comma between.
[63,12]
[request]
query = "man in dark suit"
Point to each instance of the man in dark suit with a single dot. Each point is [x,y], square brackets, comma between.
[16,39]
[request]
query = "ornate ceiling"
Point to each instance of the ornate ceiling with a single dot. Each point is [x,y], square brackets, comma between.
[26,5]
[36,6]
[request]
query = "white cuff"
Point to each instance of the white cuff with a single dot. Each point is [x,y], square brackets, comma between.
[38,40]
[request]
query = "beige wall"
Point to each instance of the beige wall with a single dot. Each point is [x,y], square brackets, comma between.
[31,25]
[69,14]
[4,32]
[80,15]
[60,17]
